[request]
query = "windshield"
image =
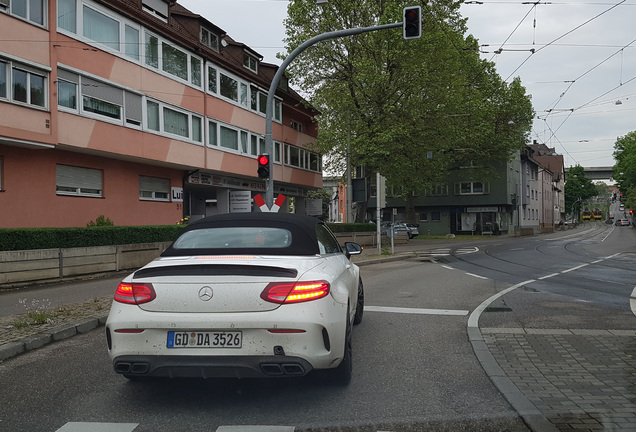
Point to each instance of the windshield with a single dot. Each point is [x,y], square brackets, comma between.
[234,238]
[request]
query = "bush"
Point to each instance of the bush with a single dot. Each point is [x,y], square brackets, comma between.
[101,221]
[351,227]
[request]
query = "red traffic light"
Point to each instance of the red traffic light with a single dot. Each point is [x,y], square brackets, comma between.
[412,24]
[263,166]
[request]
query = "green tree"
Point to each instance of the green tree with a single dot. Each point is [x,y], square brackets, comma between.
[578,188]
[411,109]
[625,168]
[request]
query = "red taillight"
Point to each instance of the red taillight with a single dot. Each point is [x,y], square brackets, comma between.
[285,293]
[135,293]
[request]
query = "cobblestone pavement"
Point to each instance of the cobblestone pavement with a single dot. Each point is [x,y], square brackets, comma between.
[583,380]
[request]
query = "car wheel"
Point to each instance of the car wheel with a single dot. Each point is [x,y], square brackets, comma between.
[357,319]
[342,374]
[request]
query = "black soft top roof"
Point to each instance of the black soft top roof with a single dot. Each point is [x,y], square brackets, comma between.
[302,228]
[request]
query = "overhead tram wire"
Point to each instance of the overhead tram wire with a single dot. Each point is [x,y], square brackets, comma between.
[587,72]
[565,34]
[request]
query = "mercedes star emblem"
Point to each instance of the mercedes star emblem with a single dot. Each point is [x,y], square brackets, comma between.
[205,293]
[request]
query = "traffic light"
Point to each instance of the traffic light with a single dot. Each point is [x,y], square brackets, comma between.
[412,23]
[263,166]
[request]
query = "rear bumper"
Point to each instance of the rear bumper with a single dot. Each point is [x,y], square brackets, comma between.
[211,366]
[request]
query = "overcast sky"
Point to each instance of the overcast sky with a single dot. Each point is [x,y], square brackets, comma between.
[581,76]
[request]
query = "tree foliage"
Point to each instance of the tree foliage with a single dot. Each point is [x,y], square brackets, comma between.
[411,109]
[625,168]
[578,188]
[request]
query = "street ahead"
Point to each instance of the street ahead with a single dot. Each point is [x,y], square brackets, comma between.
[414,365]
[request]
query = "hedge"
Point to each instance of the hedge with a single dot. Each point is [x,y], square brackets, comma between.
[53,238]
[12,239]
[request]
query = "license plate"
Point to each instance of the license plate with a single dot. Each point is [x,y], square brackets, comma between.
[198,339]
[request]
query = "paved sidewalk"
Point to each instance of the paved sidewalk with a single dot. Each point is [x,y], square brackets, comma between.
[558,380]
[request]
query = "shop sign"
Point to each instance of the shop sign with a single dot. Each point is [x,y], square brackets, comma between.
[240,202]
[176,194]
[482,209]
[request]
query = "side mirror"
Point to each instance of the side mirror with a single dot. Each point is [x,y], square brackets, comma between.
[352,248]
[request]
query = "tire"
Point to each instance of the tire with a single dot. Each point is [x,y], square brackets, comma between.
[357,319]
[343,373]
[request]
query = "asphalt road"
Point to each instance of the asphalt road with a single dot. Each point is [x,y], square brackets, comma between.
[414,370]
[414,366]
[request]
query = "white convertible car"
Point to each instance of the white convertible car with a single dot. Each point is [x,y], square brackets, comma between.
[240,295]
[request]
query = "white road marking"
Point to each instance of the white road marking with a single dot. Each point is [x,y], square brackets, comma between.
[97,427]
[416,311]
[549,276]
[632,301]
[249,428]
[575,268]
[477,276]
[473,320]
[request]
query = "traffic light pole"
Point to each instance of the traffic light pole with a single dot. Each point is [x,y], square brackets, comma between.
[269,142]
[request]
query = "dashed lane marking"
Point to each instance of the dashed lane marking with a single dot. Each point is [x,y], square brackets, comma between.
[97,427]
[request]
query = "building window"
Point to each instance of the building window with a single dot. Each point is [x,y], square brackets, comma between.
[172,121]
[196,129]
[472,188]
[131,36]
[301,158]
[67,94]
[32,10]
[72,180]
[3,79]
[158,8]
[195,71]
[101,28]
[212,88]
[229,87]
[101,99]
[152,50]
[175,122]
[152,109]
[28,87]
[174,61]
[229,138]
[24,84]
[213,133]
[209,39]
[133,106]
[297,126]
[250,62]
[67,15]
[154,189]
[436,216]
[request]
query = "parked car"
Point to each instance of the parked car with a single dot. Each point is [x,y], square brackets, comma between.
[240,295]
[397,229]
[415,229]
[622,222]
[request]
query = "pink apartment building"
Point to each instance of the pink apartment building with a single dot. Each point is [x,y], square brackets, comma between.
[138,110]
